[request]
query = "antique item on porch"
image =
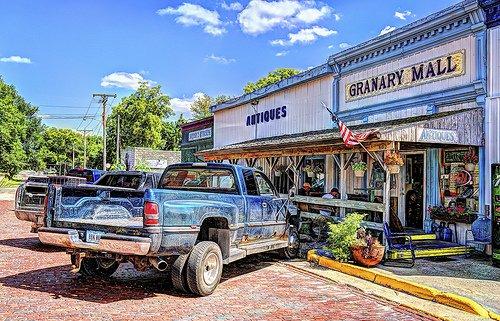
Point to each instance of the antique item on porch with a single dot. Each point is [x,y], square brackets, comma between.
[470,160]
[342,236]
[309,169]
[453,213]
[367,250]
[359,168]
[394,161]
[481,229]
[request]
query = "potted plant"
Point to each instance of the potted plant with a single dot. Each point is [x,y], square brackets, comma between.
[394,161]
[470,160]
[359,168]
[343,235]
[309,169]
[367,250]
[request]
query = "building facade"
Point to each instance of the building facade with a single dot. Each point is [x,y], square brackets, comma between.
[424,91]
[196,136]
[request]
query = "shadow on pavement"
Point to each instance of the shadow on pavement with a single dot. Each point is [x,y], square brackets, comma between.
[30,243]
[125,284]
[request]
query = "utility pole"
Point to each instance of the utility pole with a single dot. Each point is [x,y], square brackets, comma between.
[85,131]
[73,156]
[118,139]
[104,101]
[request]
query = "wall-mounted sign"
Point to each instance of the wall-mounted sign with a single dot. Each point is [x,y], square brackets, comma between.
[454,156]
[448,66]
[200,134]
[266,116]
[444,136]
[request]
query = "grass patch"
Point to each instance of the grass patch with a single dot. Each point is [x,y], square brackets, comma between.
[6,182]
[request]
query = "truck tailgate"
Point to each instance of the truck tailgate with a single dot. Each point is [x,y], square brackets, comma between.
[98,207]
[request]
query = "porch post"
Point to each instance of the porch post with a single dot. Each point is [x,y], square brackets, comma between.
[387,199]
[343,181]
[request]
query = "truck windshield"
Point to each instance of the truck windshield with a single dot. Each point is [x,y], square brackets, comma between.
[125,181]
[200,179]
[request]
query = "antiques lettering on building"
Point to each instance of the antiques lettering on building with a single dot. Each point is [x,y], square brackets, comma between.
[266,116]
[448,66]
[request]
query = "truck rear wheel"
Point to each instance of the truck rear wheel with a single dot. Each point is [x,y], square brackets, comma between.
[178,273]
[204,268]
[98,267]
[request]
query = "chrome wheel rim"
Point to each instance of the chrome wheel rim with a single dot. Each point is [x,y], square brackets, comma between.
[210,268]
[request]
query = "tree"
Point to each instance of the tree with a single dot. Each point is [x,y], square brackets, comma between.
[200,108]
[271,78]
[20,130]
[172,133]
[142,119]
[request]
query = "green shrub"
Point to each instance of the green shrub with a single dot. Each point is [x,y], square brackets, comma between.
[343,235]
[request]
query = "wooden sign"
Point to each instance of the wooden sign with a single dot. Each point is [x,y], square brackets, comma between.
[451,65]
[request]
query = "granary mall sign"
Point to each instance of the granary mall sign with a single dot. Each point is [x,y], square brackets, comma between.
[440,68]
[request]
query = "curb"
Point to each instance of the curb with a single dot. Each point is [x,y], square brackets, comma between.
[412,288]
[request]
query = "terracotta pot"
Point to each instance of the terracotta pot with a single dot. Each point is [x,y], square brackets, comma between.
[360,255]
[470,167]
[394,169]
[359,173]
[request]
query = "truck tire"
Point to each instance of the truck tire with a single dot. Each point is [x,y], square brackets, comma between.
[93,267]
[204,268]
[292,251]
[178,274]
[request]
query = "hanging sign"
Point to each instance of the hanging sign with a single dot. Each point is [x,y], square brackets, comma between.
[439,68]
[200,134]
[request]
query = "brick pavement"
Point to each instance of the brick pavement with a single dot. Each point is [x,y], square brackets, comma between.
[35,284]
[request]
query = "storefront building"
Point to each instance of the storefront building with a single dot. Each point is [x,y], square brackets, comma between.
[421,91]
[196,136]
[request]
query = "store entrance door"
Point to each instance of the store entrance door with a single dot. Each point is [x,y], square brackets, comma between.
[413,188]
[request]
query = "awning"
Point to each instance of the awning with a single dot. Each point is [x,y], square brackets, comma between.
[459,127]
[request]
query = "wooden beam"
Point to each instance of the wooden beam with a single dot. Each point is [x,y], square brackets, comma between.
[357,205]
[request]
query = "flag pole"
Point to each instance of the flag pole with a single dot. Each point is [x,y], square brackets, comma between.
[374,156]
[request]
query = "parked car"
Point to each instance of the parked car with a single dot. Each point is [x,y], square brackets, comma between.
[129,179]
[31,195]
[200,217]
[91,175]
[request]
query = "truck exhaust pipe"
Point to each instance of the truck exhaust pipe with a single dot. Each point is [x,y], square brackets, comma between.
[158,263]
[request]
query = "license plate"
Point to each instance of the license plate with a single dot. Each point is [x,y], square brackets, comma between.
[93,236]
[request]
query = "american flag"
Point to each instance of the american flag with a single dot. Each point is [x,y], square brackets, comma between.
[350,138]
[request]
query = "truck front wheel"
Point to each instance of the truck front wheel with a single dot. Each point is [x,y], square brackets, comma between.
[204,268]
[98,267]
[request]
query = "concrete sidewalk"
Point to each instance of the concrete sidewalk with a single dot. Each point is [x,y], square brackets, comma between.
[7,193]
[474,278]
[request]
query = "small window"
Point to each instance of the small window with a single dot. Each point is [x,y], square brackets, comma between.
[264,186]
[200,179]
[250,182]
[149,182]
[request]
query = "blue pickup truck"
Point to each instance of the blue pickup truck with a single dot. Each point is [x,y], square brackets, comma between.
[199,217]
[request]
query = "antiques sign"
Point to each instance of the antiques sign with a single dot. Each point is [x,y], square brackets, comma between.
[200,134]
[444,136]
[440,68]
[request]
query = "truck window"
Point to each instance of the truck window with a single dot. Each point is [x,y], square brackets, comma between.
[125,181]
[263,185]
[250,182]
[213,180]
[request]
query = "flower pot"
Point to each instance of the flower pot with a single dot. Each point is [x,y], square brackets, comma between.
[470,167]
[394,169]
[310,174]
[359,173]
[368,257]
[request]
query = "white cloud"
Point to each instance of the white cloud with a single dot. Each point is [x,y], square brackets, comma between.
[183,105]
[219,59]
[304,36]
[262,16]
[282,53]
[402,15]
[124,80]
[235,6]
[330,46]
[16,60]
[336,16]
[344,45]
[387,29]
[189,14]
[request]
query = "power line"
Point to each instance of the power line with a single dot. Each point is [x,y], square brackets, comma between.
[64,106]
[86,113]
[65,116]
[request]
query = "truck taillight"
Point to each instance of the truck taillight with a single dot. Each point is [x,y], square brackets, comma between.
[151,214]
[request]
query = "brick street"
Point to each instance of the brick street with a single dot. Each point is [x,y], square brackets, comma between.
[35,284]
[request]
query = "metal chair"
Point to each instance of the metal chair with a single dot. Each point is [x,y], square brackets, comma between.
[398,250]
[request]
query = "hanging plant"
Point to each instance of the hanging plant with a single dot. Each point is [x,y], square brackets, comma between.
[359,168]
[394,161]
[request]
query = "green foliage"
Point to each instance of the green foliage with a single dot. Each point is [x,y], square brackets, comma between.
[117,167]
[142,166]
[19,132]
[172,134]
[7,182]
[271,78]
[343,235]
[200,108]
[143,115]
[359,166]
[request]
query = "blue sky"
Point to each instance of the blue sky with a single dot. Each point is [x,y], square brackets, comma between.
[57,53]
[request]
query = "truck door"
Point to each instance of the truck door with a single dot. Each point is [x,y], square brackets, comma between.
[273,212]
[253,224]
